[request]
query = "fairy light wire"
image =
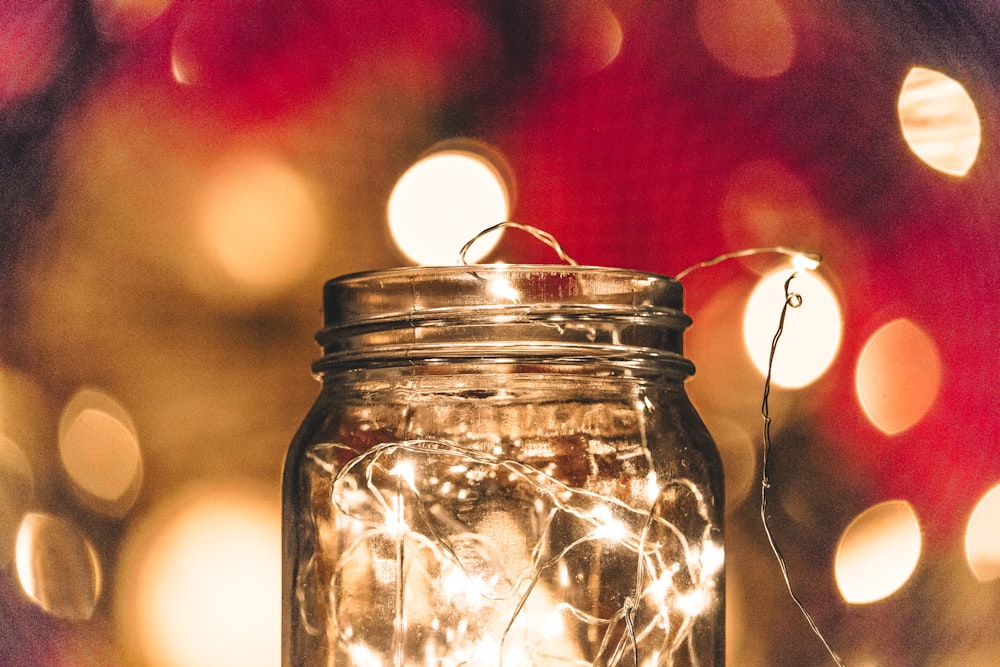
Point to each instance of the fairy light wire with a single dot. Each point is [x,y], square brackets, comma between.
[540,234]
[361,471]
[792,300]
[747,252]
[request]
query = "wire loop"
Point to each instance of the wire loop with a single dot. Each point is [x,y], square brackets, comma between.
[539,234]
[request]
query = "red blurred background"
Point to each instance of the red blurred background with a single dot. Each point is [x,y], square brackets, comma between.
[179,177]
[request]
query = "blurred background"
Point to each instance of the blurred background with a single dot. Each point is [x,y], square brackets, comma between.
[179,177]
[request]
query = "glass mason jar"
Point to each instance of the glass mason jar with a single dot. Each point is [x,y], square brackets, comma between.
[503,469]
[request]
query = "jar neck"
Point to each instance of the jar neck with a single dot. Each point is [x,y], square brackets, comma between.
[508,314]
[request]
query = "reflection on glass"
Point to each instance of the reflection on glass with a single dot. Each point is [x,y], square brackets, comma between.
[200,582]
[444,200]
[982,537]
[811,335]
[57,566]
[939,120]
[878,552]
[898,376]
[99,450]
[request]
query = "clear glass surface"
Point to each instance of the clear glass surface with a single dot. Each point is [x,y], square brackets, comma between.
[523,503]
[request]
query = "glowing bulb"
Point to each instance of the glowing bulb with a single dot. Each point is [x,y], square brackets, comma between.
[713,556]
[444,200]
[501,288]
[805,263]
[693,602]
[608,528]
[811,335]
[404,470]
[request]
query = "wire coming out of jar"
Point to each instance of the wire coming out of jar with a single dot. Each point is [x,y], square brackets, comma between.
[500,609]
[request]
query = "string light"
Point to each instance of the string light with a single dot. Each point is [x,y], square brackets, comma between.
[490,604]
[792,300]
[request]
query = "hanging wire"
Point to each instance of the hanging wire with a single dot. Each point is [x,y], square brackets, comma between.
[792,300]
[539,234]
[781,250]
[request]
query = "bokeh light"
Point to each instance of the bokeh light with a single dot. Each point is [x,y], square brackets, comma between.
[898,376]
[982,537]
[260,222]
[443,201]
[126,19]
[200,581]
[765,204]
[581,37]
[32,39]
[17,487]
[57,566]
[939,120]
[812,332]
[878,552]
[739,459]
[752,38]
[99,450]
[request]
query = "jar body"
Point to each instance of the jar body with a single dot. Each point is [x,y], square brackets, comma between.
[500,511]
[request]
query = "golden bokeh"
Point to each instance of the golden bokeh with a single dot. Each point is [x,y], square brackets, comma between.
[898,376]
[982,537]
[259,222]
[443,201]
[57,566]
[200,580]
[752,38]
[878,552]
[940,121]
[99,450]
[812,332]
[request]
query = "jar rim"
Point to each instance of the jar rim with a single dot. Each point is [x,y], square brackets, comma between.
[360,297]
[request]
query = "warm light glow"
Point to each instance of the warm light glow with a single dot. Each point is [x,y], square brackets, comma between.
[898,376]
[57,567]
[752,38]
[260,222]
[125,19]
[939,120]
[878,552]
[713,557]
[501,288]
[202,582]
[32,35]
[17,488]
[608,527]
[982,537]
[738,450]
[585,37]
[486,584]
[99,450]
[765,203]
[811,335]
[443,201]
